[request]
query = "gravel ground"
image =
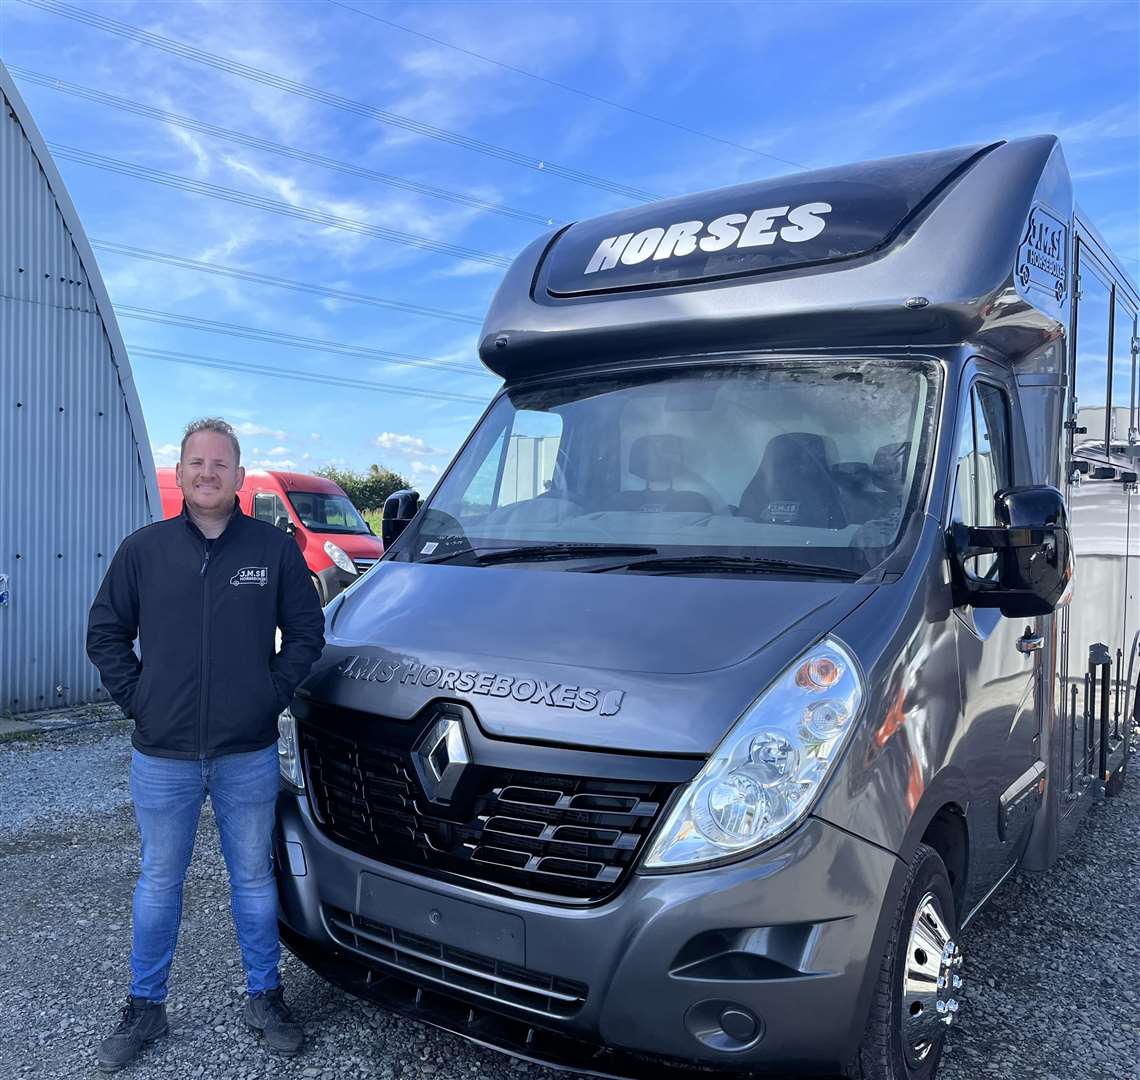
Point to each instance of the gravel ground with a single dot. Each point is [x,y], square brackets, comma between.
[1054,962]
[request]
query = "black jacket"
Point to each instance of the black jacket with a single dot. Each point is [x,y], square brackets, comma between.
[210,681]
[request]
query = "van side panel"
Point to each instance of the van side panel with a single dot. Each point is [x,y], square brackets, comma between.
[1099,624]
[906,758]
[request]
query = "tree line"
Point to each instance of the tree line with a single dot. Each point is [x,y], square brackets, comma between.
[367,490]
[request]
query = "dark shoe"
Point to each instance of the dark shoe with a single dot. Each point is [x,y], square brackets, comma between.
[269,1014]
[142,1022]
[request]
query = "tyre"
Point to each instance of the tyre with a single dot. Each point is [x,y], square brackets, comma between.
[920,984]
[317,586]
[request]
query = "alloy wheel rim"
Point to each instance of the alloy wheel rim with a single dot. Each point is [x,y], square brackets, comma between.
[932,982]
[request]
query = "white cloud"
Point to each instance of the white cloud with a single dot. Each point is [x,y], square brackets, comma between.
[421,470]
[276,463]
[247,427]
[469,268]
[201,157]
[166,455]
[315,436]
[278,451]
[411,445]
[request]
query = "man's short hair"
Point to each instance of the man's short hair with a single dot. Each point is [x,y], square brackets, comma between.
[211,423]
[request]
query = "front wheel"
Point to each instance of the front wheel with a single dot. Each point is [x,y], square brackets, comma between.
[920,984]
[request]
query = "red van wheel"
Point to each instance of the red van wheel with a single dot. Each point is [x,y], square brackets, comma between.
[320,590]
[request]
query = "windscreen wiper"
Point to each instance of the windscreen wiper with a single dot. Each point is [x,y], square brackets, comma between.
[736,564]
[536,552]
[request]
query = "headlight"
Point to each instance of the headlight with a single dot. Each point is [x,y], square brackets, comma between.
[288,750]
[763,778]
[339,557]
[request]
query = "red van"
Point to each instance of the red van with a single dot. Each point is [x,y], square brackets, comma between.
[336,541]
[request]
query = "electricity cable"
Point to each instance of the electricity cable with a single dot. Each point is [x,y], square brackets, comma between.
[296,153]
[281,283]
[337,101]
[245,198]
[567,87]
[299,376]
[295,341]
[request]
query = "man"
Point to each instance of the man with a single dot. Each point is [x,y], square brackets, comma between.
[205,593]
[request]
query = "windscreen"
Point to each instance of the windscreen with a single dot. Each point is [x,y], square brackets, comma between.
[811,462]
[322,512]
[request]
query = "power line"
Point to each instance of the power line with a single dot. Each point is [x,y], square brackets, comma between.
[337,101]
[296,153]
[282,283]
[245,198]
[566,86]
[295,341]
[299,376]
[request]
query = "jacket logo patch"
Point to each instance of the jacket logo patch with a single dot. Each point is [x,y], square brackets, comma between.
[251,575]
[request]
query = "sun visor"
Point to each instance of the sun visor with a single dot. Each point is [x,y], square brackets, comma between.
[779,224]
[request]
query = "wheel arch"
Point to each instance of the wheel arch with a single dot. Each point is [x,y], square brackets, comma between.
[949,834]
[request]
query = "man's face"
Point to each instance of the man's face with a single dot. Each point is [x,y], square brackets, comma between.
[208,473]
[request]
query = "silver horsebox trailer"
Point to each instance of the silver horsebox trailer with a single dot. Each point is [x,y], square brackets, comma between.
[810,616]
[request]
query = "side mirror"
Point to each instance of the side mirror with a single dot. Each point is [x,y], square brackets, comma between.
[1033,548]
[399,508]
[285,525]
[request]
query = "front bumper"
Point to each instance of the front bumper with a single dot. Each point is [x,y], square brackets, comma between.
[764,965]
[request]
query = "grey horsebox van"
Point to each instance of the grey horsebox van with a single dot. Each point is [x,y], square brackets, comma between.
[782,602]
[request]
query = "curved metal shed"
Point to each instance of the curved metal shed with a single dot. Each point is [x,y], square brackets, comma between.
[76,473]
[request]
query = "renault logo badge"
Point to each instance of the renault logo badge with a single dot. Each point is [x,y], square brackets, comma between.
[440,757]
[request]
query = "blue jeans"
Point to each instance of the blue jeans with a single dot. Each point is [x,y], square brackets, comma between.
[168,794]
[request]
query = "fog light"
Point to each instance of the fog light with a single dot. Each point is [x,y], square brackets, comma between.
[724,1026]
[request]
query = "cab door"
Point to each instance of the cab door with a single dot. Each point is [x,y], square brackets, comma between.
[998,658]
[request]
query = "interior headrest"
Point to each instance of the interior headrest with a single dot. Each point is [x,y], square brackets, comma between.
[656,458]
[889,467]
[852,474]
[800,443]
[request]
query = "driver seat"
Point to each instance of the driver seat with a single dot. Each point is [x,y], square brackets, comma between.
[659,460]
[794,484]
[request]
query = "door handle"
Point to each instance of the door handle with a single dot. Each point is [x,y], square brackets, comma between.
[1030,642]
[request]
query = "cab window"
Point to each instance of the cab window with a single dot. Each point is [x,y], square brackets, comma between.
[1092,435]
[1122,420]
[264,507]
[268,506]
[983,464]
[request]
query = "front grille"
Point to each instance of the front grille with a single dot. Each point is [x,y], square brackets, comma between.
[364,564]
[557,837]
[481,976]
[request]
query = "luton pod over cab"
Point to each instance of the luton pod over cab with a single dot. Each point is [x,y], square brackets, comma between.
[780,605]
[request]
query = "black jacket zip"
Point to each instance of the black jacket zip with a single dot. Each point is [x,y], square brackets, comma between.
[205,661]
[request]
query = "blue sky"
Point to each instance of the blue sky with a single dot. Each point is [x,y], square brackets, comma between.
[812,84]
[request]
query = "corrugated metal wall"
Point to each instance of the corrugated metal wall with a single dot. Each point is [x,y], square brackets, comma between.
[73,479]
